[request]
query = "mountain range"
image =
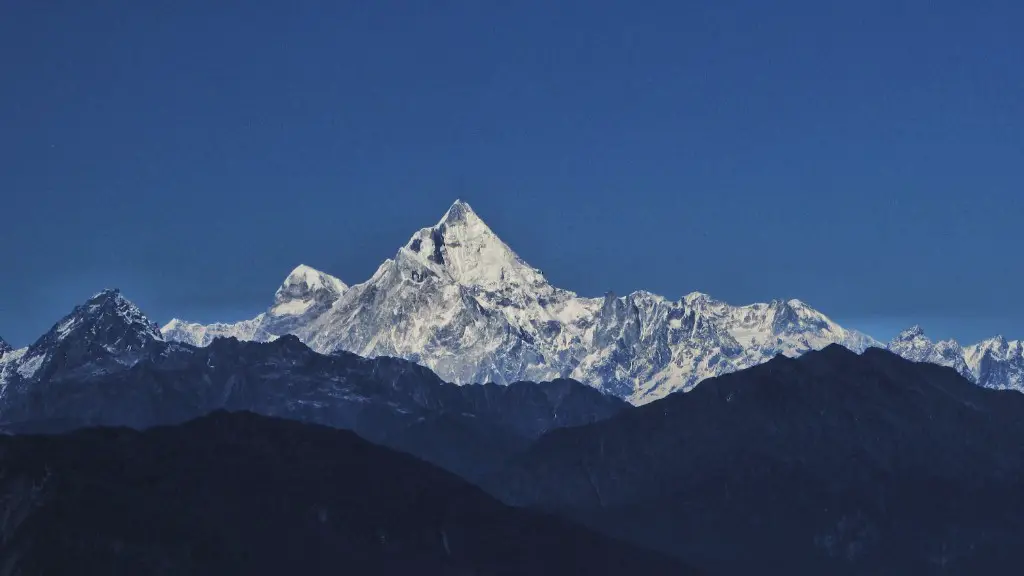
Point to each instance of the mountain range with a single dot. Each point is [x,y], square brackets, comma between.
[832,462]
[106,364]
[458,300]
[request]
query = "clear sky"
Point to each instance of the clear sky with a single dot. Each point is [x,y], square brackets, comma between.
[866,157]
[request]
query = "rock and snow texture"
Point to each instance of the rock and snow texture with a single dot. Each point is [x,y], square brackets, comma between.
[992,363]
[197,334]
[912,344]
[303,296]
[106,333]
[457,299]
[10,361]
[997,363]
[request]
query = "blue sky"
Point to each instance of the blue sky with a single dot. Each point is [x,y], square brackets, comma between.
[865,157]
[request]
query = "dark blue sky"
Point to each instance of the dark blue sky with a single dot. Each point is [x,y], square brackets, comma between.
[866,157]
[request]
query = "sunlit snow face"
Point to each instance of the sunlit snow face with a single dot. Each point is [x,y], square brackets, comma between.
[471,253]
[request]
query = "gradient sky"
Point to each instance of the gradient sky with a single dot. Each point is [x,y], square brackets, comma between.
[865,157]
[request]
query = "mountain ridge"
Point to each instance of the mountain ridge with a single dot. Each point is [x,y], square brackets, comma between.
[105,364]
[992,363]
[459,300]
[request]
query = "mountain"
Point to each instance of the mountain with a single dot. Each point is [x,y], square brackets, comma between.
[5,347]
[912,344]
[997,363]
[831,463]
[105,364]
[993,363]
[303,297]
[104,334]
[458,300]
[244,494]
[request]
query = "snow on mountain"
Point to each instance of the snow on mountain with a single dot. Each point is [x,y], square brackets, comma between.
[459,300]
[464,246]
[303,290]
[997,363]
[645,346]
[303,296]
[5,347]
[202,334]
[992,363]
[107,333]
[10,361]
[912,344]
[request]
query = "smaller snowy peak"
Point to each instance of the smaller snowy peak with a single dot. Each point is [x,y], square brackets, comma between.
[915,332]
[948,347]
[998,342]
[5,347]
[201,335]
[997,348]
[694,297]
[107,311]
[106,332]
[305,288]
[997,363]
[790,316]
[914,345]
[312,279]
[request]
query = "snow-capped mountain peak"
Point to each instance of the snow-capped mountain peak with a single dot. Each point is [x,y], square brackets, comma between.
[303,297]
[997,342]
[5,347]
[997,362]
[107,314]
[106,332]
[695,297]
[198,334]
[460,211]
[303,289]
[464,246]
[997,346]
[915,332]
[913,344]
